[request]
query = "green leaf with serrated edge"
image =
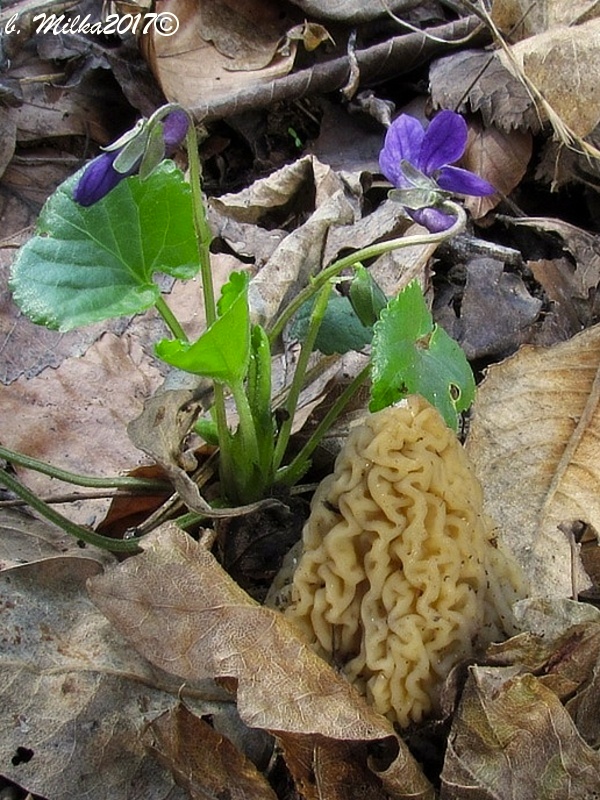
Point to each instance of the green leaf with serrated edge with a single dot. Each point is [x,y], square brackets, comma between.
[85,265]
[340,331]
[366,296]
[412,355]
[223,351]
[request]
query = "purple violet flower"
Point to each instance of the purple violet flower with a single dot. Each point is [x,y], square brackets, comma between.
[100,176]
[409,149]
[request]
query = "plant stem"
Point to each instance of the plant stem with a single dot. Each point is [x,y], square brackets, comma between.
[54,516]
[203,232]
[291,402]
[170,319]
[247,448]
[203,238]
[118,482]
[293,472]
[366,253]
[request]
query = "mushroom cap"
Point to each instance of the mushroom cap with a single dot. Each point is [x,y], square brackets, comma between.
[400,577]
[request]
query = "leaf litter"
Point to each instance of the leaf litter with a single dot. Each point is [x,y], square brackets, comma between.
[532,436]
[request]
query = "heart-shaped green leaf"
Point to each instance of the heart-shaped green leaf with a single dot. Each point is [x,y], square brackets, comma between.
[412,355]
[89,264]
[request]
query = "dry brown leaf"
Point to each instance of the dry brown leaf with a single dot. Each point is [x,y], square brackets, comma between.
[197,64]
[582,280]
[198,623]
[496,311]
[204,763]
[501,158]
[559,645]
[269,196]
[512,739]
[534,441]
[332,769]
[570,282]
[52,112]
[160,430]
[248,33]
[476,80]
[353,11]
[76,416]
[562,63]
[570,312]
[522,18]
[26,539]
[74,695]
[297,258]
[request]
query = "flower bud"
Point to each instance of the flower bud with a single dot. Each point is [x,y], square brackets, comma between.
[101,177]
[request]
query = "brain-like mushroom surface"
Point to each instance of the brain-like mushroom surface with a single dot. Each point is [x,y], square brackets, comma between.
[400,577]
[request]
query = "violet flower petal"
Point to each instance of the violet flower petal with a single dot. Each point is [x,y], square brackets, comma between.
[462,181]
[432,218]
[175,126]
[444,142]
[403,141]
[98,179]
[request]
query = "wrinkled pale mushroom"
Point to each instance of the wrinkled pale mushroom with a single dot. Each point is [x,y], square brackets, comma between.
[399,577]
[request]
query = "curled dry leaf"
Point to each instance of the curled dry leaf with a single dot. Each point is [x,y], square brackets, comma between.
[490,754]
[160,431]
[534,441]
[270,195]
[182,611]
[296,259]
[332,769]
[572,287]
[563,650]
